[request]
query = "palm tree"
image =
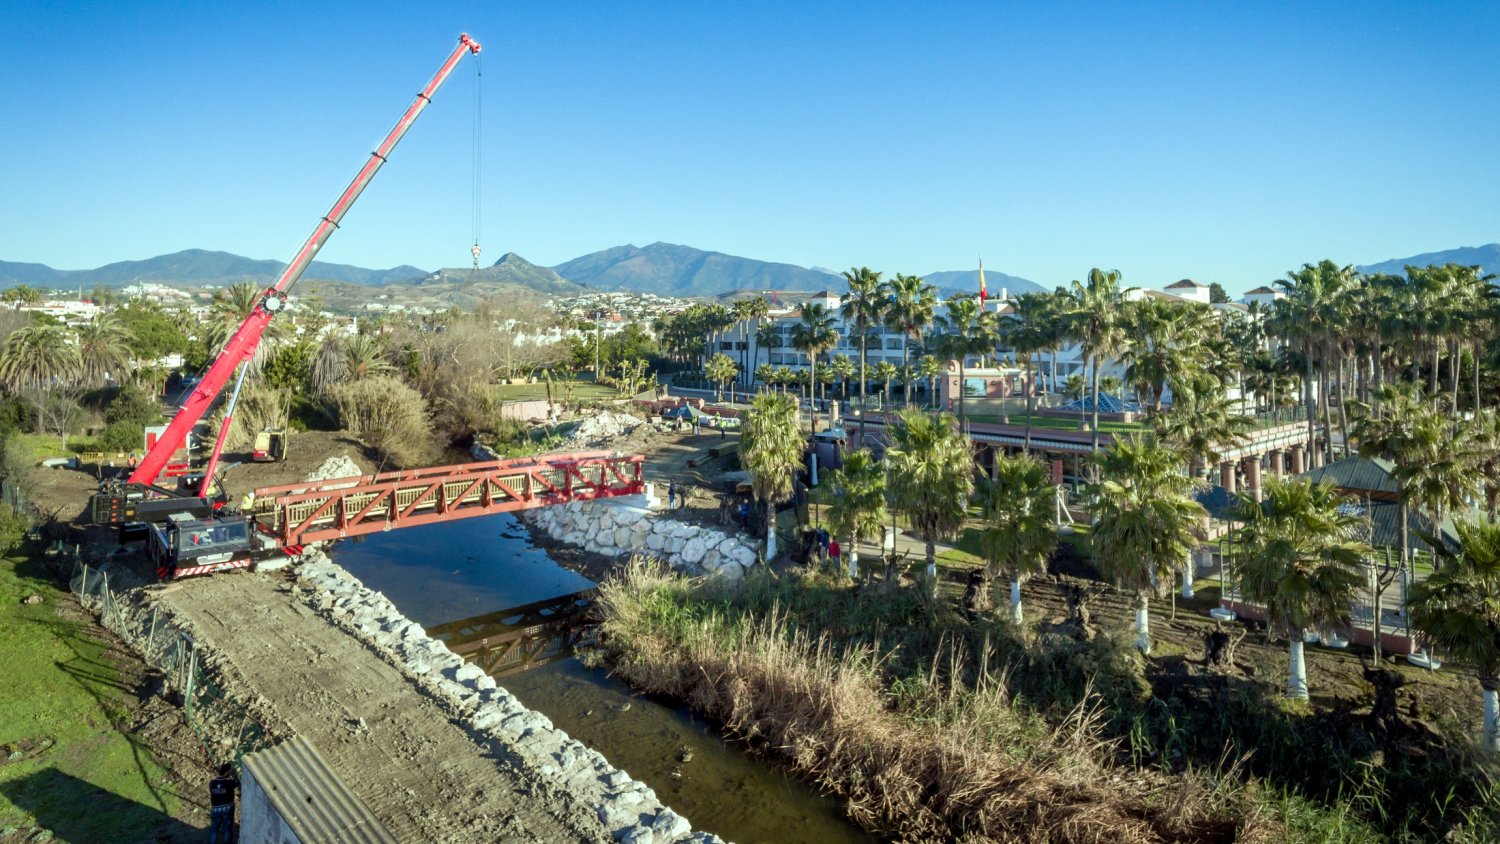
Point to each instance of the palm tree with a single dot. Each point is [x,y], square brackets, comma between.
[911,303]
[756,310]
[814,335]
[884,372]
[785,377]
[38,356]
[103,347]
[1201,421]
[1301,561]
[858,508]
[1484,440]
[348,358]
[1436,463]
[842,368]
[741,312]
[931,476]
[1145,521]
[968,330]
[1305,316]
[1094,314]
[1027,333]
[721,370]
[766,374]
[771,450]
[767,337]
[1458,609]
[861,309]
[227,311]
[1164,344]
[930,367]
[1019,506]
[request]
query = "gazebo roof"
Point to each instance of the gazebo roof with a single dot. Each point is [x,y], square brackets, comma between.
[1107,404]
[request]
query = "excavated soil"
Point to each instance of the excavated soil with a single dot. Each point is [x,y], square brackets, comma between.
[396,749]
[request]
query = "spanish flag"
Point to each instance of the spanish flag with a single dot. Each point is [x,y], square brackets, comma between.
[982,291]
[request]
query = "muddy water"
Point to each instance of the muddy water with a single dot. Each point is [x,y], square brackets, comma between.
[441,573]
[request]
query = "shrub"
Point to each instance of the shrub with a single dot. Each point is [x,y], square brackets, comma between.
[122,435]
[259,407]
[388,415]
[133,404]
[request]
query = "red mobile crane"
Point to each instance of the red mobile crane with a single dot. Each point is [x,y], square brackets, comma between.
[139,499]
[185,537]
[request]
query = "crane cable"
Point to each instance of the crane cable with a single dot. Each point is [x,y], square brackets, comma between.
[478,137]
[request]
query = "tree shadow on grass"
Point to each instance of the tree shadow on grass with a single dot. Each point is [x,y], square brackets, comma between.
[75,810]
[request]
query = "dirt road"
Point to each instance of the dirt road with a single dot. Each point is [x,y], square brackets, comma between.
[392,746]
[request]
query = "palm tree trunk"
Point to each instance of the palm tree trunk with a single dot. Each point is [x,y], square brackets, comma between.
[1096,401]
[906,370]
[1015,598]
[932,565]
[1405,527]
[1187,579]
[862,340]
[1478,403]
[1325,381]
[1343,408]
[1030,401]
[1307,394]
[1454,359]
[770,532]
[961,357]
[1437,383]
[1296,674]
[1491,713]
[1143,623]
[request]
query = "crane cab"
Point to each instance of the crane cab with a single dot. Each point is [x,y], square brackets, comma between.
[183,545]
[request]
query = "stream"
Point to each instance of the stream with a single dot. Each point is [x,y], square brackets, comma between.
[446,572]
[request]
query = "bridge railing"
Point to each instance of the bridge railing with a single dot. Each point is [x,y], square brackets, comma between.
[342,507]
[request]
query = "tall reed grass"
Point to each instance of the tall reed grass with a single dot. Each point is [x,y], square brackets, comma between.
[944,753]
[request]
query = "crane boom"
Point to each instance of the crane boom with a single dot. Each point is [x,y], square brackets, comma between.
[242,344]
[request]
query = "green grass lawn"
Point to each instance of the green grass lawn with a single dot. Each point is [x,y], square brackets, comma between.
[93,781]
[580,390]
[1060,423]
[42,446]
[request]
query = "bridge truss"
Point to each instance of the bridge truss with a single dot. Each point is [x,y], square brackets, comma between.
[297,514]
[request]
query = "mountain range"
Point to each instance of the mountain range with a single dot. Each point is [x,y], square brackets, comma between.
[1486,257]
[662,268]
[193,266]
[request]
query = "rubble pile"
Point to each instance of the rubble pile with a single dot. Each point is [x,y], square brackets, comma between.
[336,467]
[603,427]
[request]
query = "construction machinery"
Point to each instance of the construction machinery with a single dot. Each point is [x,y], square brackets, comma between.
[139,498]
[270,446]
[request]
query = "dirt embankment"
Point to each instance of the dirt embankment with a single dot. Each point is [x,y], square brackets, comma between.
[398,750]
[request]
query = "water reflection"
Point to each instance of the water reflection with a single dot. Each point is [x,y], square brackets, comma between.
[721,788]
[475,567]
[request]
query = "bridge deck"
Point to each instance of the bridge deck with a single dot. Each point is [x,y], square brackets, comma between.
[300,513]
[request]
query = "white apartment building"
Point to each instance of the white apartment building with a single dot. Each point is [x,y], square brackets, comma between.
[883,345]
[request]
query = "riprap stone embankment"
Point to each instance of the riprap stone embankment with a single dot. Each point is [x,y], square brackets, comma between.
[615,528]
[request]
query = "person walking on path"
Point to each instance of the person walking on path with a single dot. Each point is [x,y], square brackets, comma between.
[671,495]
[833,553]
[221,805]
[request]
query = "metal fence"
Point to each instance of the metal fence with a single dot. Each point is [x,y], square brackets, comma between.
[225,729]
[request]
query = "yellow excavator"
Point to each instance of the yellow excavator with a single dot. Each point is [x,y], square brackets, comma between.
[270,446]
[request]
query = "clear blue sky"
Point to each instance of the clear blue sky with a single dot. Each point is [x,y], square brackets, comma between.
[1224,144]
